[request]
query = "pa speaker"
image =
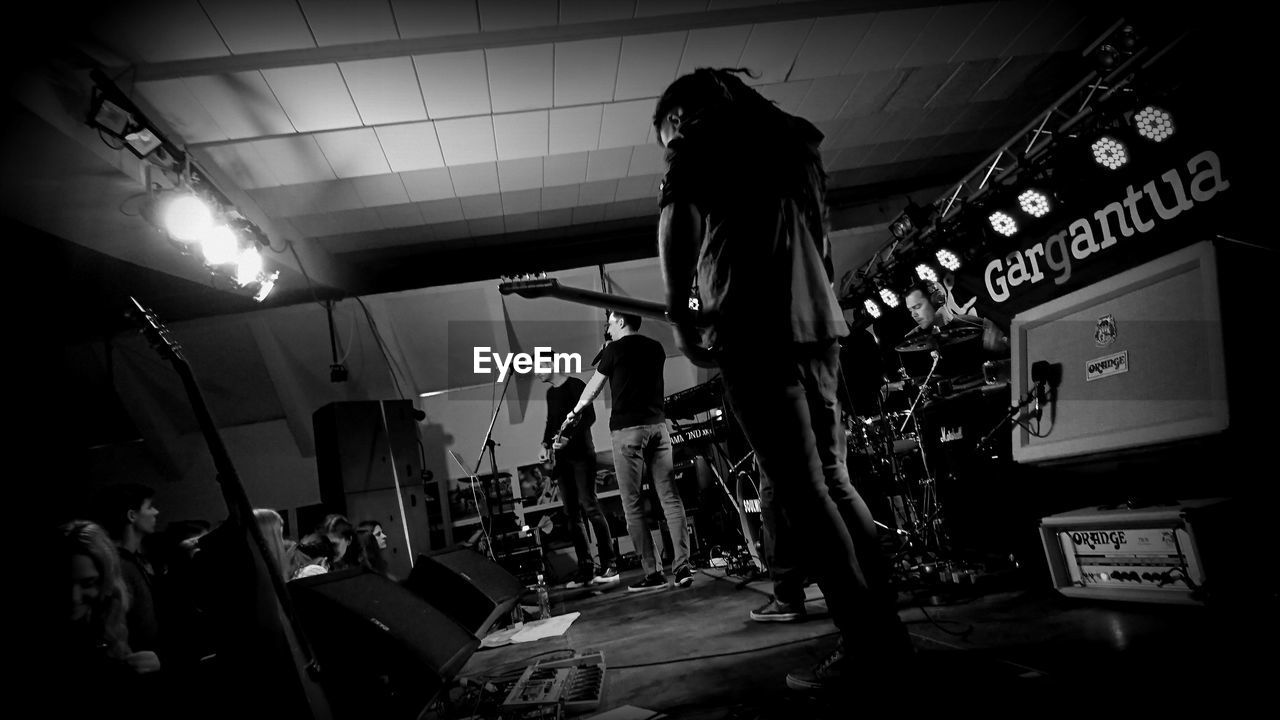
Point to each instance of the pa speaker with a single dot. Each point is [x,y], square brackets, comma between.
[365,446]
[467,586]
[383,651]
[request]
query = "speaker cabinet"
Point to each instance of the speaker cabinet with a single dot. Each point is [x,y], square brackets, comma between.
[356,452]
[467,586]
[383,651]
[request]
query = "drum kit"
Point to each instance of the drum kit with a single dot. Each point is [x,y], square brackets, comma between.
[898,454]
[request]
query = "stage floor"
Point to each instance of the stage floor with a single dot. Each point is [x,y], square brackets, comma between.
[696,653]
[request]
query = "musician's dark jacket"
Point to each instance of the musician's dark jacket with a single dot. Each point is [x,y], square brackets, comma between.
[560,400]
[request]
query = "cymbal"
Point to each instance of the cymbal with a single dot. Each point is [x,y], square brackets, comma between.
[917,340]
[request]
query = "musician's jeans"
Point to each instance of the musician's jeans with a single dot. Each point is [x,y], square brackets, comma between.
[785,400]
[576,477]
[636,449]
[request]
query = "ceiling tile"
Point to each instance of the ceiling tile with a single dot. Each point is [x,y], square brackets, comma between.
[788,95]
[564,169]
[315,97]
[342,22]
[997,31]
[475,207]
[439,17]
[626,124]
[826,96]
[478,179]
[410,147]
[634,188]
[829,45]
[182,111]
[521,174]
[961,86]
[921,84]
[629,209]
[242,104]
[648,64]
[647,160]
[888,40]
[295,159]
[521,135]
[575,129]
[497,15]
[588,214]
[464,141]
[860,130]
[396,216]
[385,91]
[601,191]
[454,84]
[522,201]
[733,4]
[520,77]
[159,32]
[253,26]
[1048,29]
[584,11]
[354,221]
[352,153]
[523,222]
[380,190]
[585,71]
[1007,78]
[451,230]
[934,121]
[713,47]
[772,49]
[425,185]
[898,125]
[334,195]
[441,211]
[945,32]
[312,226]
[608,164]
[556,198]
[653,8]
[293,200]
[485,227]
[558,218]
[872,93]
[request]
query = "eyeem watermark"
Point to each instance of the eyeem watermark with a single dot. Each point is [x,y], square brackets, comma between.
[542,361]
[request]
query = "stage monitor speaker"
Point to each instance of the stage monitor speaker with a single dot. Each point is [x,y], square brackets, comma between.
[383,651]
[467,586]
[355,453]
[1140,358]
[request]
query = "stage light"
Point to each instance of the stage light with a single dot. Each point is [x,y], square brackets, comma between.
[185,217]
[268,284]
[1034,202]
[1153,123]
[1003,223]
[948,260]
[872,308]
[889,297]
[912,218]
[220,246]
[142,142]
[1109,152]
[248,266]
[924,272]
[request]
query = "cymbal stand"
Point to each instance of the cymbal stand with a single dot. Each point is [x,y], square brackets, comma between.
[928,528]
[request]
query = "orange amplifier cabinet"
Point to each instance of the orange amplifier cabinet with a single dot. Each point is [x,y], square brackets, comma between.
[1148,554]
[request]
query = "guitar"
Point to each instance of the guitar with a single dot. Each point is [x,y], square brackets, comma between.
[566,427]
[541,286]
[300,683]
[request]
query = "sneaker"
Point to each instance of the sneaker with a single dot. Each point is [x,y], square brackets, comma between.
[606,577]
[827,674]
[776,611]
[581,578]
[656,581]
[684,577]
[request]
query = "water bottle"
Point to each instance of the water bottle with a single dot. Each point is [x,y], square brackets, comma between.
[544,600]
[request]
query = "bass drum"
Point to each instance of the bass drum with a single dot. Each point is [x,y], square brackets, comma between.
[867,434]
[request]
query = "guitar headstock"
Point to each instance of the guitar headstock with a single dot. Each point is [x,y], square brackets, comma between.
[156,332]
[528,286]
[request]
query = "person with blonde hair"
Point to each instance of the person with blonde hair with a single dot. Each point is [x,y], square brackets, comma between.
[272,526]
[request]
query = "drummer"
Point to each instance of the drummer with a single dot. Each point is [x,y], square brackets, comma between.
[961,341]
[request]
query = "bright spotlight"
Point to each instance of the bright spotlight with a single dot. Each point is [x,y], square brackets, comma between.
[220,246]
[948,260]
[248,266]
[872,308]
[1034,203]
[926,273]
[186,218]
[1003,223]
[889,297]
[1153,123]
[268,284]
[1109,152]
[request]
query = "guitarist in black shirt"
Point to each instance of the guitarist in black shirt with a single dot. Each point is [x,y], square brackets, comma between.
[568,449]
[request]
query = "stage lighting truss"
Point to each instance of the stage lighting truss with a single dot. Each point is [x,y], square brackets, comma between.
[1035,202]
[872,308]
[1109,152]
[1003,223]
[889,297]
[948,260]
[1153,123]
[924,272]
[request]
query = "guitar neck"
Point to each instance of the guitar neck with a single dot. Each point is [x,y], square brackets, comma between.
[632,306]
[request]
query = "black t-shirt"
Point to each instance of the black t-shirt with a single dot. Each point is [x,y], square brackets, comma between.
[633,365]
[560,400]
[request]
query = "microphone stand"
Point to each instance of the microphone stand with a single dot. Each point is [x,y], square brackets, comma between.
[488,447]
[1009,416]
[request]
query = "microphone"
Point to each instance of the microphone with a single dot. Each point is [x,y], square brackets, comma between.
[1039,376]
